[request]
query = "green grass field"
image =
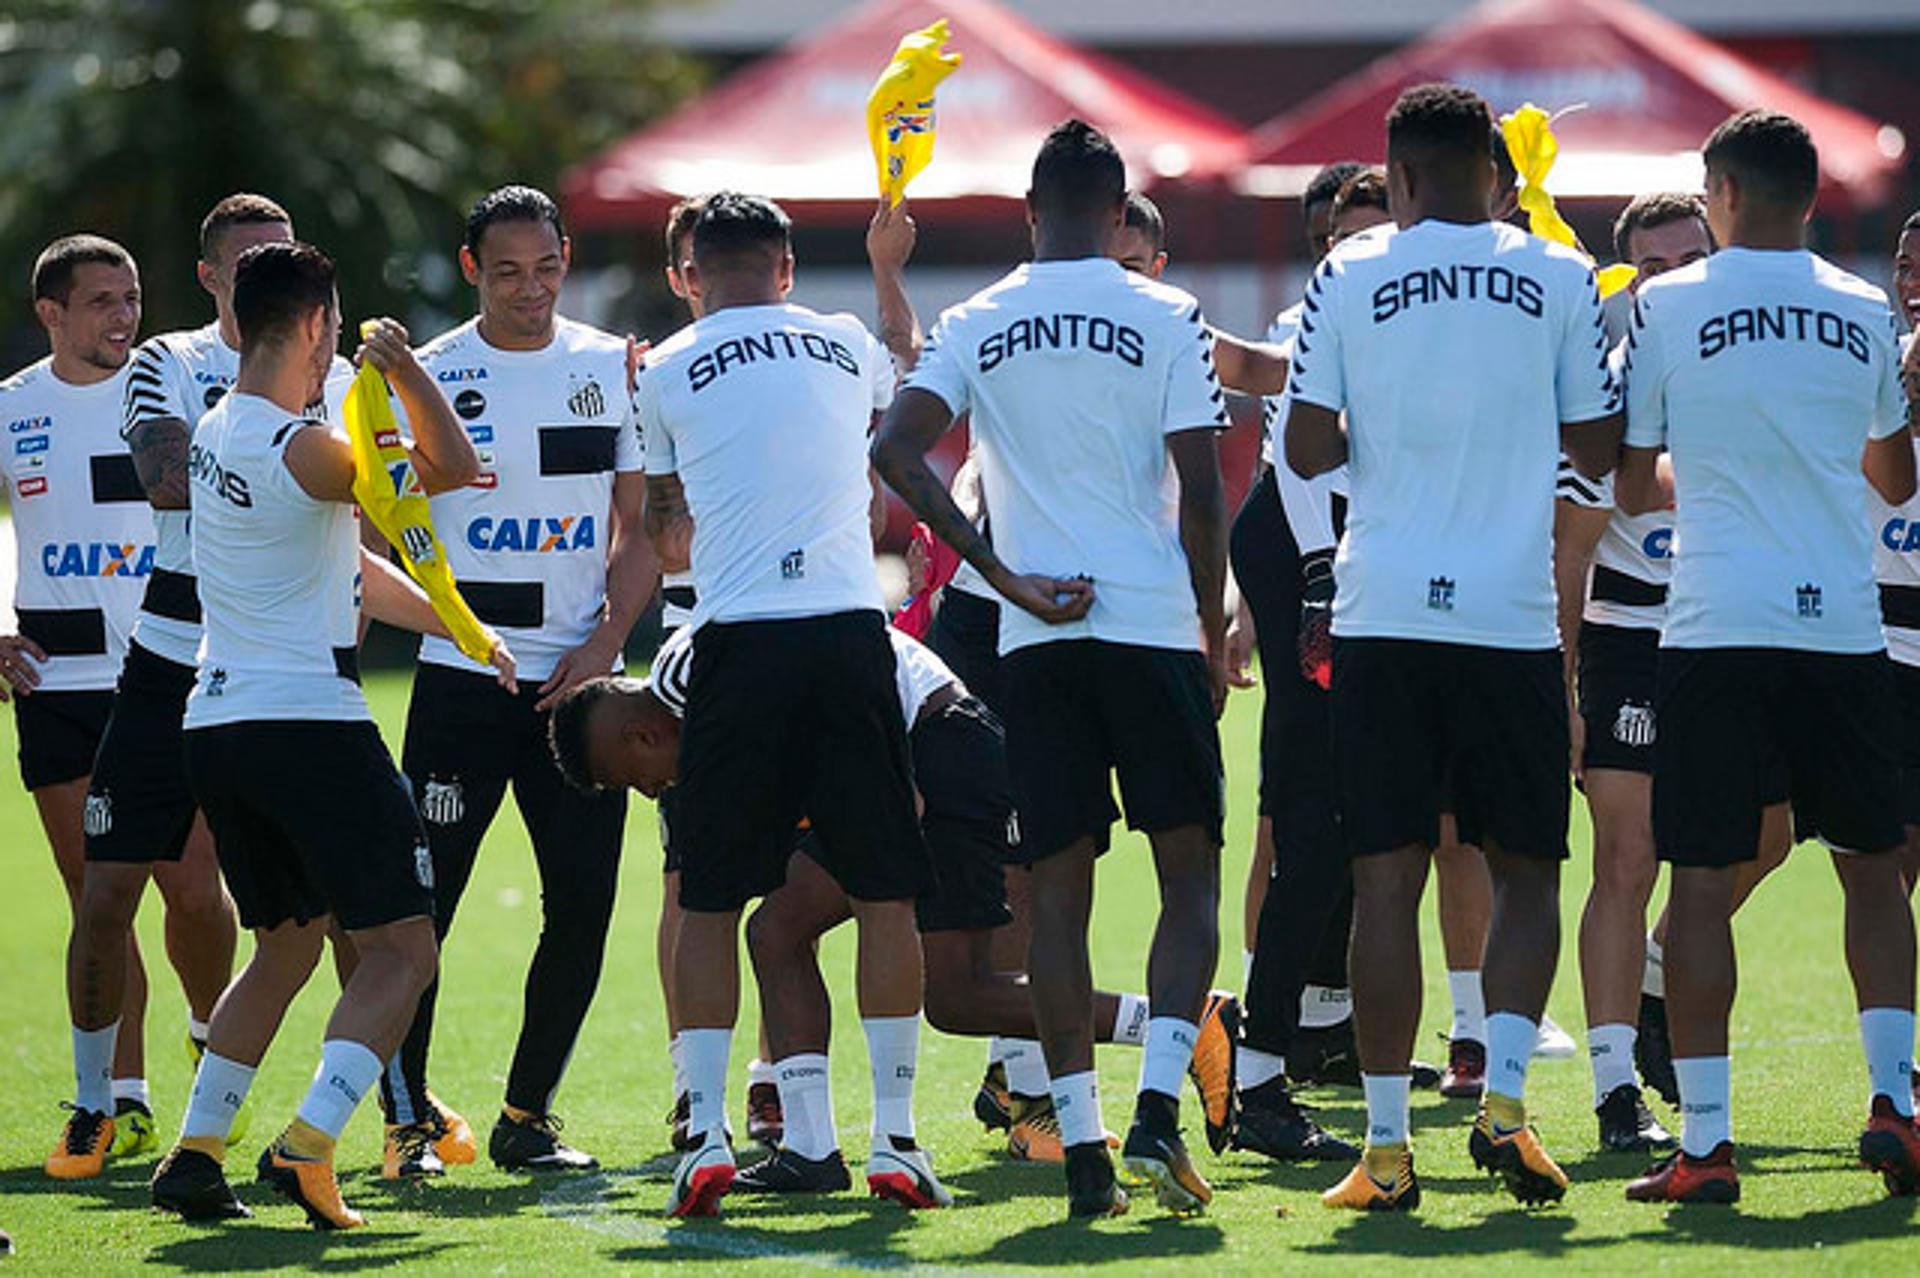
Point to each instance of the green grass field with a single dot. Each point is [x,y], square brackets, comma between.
[1798,1088]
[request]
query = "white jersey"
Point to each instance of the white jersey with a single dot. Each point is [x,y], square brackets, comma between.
[1764,374]
[83,534]
[1076,372]
[917,672]
[764,413]
[528,539]
[1896,567]
[1315,508]
[279,575]
[1456,351]
[1273,408]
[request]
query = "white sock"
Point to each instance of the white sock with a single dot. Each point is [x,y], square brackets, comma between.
[1076,1103]
[1026,1067]
[1130,1023]
[1510,1039]
[679,1071]
[703,1052]
[347,1071]
[806,1105]
[1887,1035]
[93,1067]
[198,1031]
[760,1073]
[1706,1113]
[1387,1116]
[1256,1067]
[1653,978]
[133,1089]
[219,1089]
[1246,970]
[893,1044]
[1323,1006]
[1469,1006]
[1610,1052]
[1163,1066]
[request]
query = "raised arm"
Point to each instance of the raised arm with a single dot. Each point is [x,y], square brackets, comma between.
[443,457]
[890,239]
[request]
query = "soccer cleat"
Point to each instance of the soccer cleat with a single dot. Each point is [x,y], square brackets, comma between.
[765,1123]
[789,1173]
[1091,1187]
[1155,1152]
[1682,1178]
[1653,1050]
[901,1172]
[993,1103]
[1274,1124]
[410,1152]
[1891,1146]
[81,1151]
[454,1143]
[133,1131]
[677,1119]
[1627,1126]
[1324,1055]
[1551,1043]
[1035,1134]
[1466,1076]
[242,1121]
[1519,1159]
[702,1179]
[1362,1191]
[1215,1055]
[533,1144]
[309,1184]
[191,1185]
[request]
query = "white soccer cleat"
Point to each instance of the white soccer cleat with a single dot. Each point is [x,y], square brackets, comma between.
[702,1179]
[899,1170]
[1553,1043]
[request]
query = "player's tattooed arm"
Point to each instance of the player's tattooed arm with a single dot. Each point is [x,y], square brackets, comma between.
[1315,439]
[159,448]
[669,523]
[1203,535]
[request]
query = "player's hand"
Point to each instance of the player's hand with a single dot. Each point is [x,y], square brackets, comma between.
[1577,743]
[890,237]
[1055,600]
[1240,649]
[1316,644]
[385,346]
[919,565]
[17,657]
[636,356]
[594,657]
[1217,674]
[504,667]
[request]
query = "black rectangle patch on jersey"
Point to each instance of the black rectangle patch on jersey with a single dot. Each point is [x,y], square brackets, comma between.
[114,478]
[521,604]
[173,595]
[66,632]
[1610,585]
[1900,607]
[577,450]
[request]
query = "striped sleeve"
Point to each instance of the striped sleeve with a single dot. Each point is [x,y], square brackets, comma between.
[672,671]
[1193,397]
[1570,485]
[150,393]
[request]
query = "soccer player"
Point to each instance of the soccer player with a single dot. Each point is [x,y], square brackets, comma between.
[310,818]
[1765,372]
[1089,388]
[548,547]
[1446,669]
[790,643]
[84,545]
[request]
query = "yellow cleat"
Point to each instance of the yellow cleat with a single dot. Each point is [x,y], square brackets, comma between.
[82,1149]
[309,1183]
[1035,1134]
[242,1117]
[133,1130]
[1518,1158]
[1214,1068]
[1364,1190]
[455,1145]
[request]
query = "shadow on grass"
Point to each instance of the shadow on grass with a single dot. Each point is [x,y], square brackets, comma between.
[249,1248]
[1144,1235]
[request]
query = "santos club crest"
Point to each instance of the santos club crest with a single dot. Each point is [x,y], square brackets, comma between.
[585,398]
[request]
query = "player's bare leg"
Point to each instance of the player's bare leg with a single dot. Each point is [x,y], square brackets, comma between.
[1466,911]
[202,929]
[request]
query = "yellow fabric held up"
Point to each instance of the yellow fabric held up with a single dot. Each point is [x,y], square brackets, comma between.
[1531,144]
[388,490]
[900,109]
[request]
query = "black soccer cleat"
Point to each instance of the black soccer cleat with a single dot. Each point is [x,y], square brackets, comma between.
[1274,1124]
[192,1186]
[1627,1126]
[786,1172]
[535,1146]
[1325,1055]
[1653,1050]
[992,1104]
[1092,1189]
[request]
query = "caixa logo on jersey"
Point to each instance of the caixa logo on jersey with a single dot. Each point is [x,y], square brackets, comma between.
[1900,535]
[1658,544]
[446,376]
[96,559]
[21,426]
[531,535]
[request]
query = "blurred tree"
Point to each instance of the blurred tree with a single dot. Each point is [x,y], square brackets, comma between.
[376,122]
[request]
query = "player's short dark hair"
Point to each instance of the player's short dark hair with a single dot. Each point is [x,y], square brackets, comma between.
[275,286]
[1366,189]
[567,730]
[1771,155]
[733,228]
[1440,122]
[1656,208]
[1143,215]
[1327,182]
[240,209]
[680,220]
[1078,172]
[54,269]
[513,203]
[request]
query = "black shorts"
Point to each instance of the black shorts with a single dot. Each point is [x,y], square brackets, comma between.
[1420,728]
[311,818]
[960,768]
[1266,564]
[1617,677]
[1732,720]
[139,805]
[1080,711]
[1906,743]
[59,734]
[789,719]
[966,635]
